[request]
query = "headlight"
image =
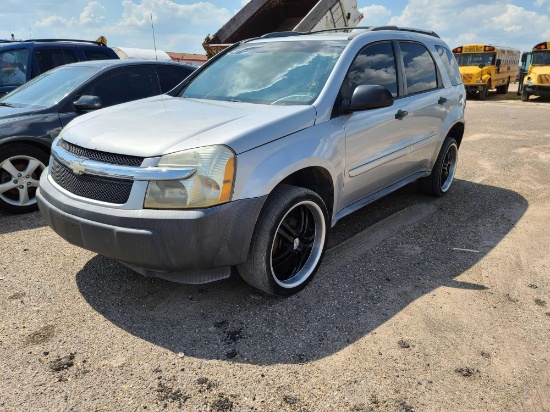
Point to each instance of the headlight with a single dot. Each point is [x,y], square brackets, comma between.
[529,82]
[479,81]
[210,185]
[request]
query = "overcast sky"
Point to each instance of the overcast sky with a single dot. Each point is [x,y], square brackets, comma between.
[181,25]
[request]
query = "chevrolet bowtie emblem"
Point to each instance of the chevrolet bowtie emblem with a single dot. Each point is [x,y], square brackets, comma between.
[77,167]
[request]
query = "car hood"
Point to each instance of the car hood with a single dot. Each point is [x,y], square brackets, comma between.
[165,124]
[11,112]
[473,71]
[540,74]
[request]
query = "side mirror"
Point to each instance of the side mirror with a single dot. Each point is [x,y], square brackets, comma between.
[367,97]
[85,103]
[524,58]
[499,62]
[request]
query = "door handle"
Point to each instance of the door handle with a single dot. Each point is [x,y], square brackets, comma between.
[442,100]
[401,114]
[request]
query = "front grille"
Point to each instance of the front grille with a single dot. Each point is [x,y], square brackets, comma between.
[467,78]
[99,188]
[103,157]
[544,79]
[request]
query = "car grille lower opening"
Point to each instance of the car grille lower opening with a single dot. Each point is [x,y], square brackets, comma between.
[99,188]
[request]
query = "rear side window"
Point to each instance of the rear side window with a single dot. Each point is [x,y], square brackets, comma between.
[170,76]
[13,67]
[123,85]
[47,59]
[450,64]
[420,70]
[375,64]
[97,55]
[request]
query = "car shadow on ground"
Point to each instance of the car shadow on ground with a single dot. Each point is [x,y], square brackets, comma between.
[351,295]
[15,223]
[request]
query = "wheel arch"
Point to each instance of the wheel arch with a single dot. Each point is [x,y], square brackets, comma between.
[317,179]
[31,141]
[457,132]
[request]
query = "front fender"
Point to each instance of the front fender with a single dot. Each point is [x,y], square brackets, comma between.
[261,169]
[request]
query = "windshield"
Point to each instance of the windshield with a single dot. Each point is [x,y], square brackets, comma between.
[282,73]
[541,58]
[49,88]
[475,59]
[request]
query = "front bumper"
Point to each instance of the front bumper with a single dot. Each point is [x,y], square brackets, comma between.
[190,246]
[538,90]
[477,87]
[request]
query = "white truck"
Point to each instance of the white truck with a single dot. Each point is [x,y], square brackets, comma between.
[260,17]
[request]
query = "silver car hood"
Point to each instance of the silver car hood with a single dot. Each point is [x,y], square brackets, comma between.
[165,124]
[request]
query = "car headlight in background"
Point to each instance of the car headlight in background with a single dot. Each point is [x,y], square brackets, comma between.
[211,184]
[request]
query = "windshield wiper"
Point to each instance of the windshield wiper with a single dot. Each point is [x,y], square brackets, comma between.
[6,104]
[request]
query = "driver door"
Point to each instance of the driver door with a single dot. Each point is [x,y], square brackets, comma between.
[375,139]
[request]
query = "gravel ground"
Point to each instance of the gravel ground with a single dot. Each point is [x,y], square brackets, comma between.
[420,305]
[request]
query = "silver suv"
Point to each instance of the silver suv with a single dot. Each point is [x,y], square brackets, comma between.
[252,159]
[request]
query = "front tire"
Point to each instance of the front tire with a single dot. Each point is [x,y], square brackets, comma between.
[21,166]
[485,92]
[439,181]
[525,96]
[288,243]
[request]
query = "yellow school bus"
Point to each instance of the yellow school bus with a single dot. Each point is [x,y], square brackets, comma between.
[484,67]
[536,81]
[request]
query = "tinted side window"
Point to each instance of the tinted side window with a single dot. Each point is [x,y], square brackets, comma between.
[97,55]
[170,76]
[47,59]
[375,64]
[420,70]
[13,67]
[450,64]
[123,85]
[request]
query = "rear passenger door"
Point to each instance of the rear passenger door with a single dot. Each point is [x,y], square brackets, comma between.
[428,105]
[47,58]
[170,76]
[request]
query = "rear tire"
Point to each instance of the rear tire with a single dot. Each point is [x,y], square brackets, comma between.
[21,166]
[439,181]
[288,242]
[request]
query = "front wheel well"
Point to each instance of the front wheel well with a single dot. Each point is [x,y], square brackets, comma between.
[316,179]
[457,133]
[32,143]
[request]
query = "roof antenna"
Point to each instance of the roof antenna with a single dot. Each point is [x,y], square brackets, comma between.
[154,40]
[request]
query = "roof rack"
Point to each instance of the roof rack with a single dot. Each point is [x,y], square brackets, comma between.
[378,28]
[282,34]
[60,40]
[411,29]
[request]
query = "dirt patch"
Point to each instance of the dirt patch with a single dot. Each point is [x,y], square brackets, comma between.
[290,399]
[166,393]
[63,363]
[466,372]
[233,336]
[540,302]
[222,404]
[17,295]
[42,335]
[403,344]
